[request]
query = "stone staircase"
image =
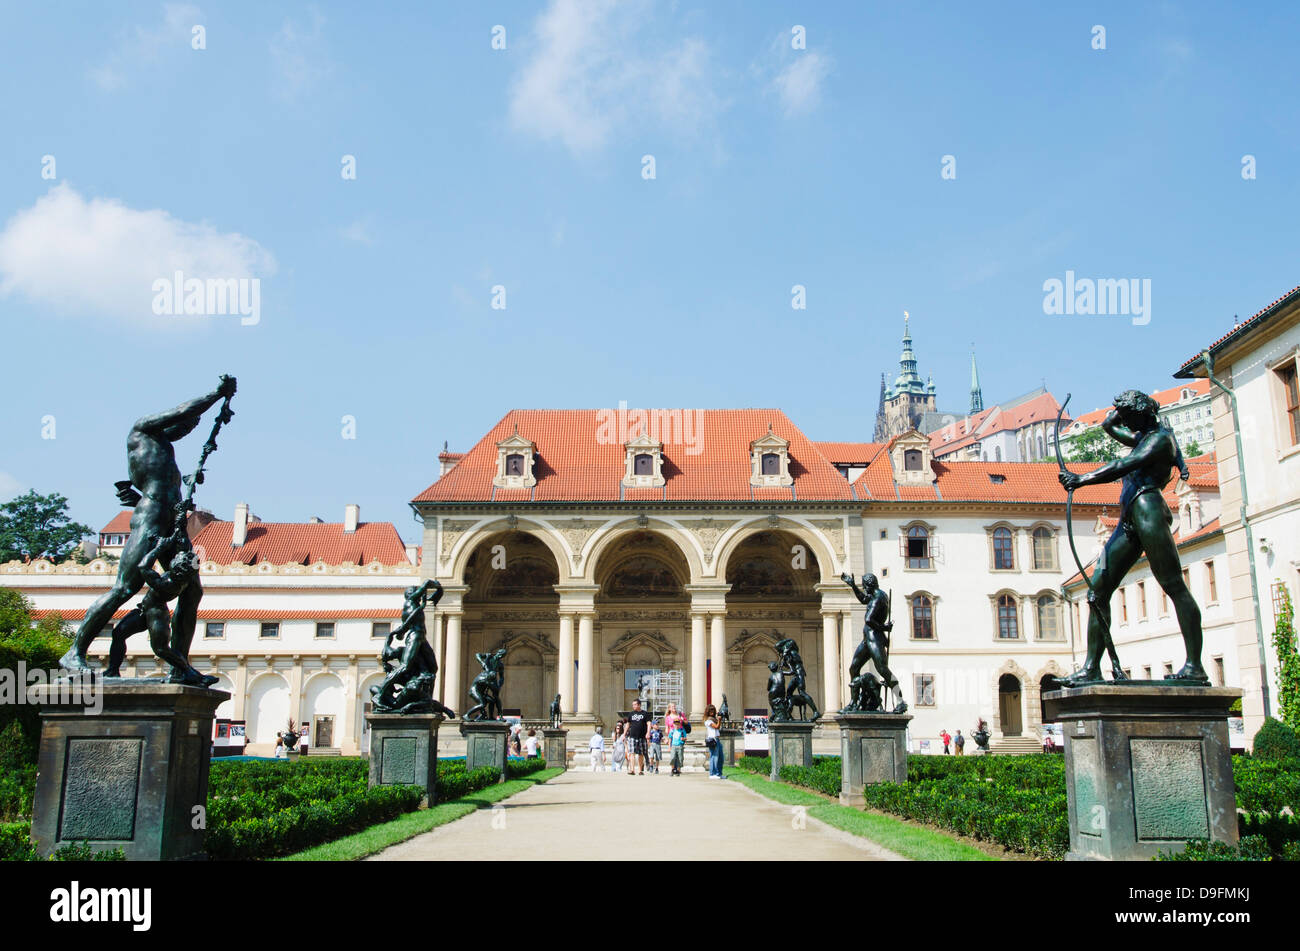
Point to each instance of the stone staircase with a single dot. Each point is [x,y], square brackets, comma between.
[1014,746]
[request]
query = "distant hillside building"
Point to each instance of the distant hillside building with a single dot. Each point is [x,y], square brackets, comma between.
[1184,408]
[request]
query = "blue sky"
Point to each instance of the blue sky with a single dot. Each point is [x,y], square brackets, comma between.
[522,167]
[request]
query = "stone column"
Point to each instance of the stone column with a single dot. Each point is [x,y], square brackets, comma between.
[831,660]
[296,696]
[586,666]
[850,644]
[718,657]
[564,674]
[433,623]
[346,731]
[453,694]
[240,711]
[697,665]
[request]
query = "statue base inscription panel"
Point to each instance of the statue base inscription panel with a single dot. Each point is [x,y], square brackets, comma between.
[404,750]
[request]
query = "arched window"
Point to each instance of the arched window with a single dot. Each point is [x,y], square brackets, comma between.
[1044,549]
[912,460]
[1042,453]
[515,464]
[997,453]
[1003,556]
[1049,625]
[643,464]
[922,617]
[771,464]
[1008,621]
[918,547]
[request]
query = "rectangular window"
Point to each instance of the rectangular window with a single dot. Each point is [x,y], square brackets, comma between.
[324,629]
[1169,670]
[922,617]
[1217,667]
[1146,673]
[1210,584]
[1142,600]
[214,629]
[1123,604]
[270,629]
[1164,603]
[380,629]
[915,547]
[923,684]
[1290,401]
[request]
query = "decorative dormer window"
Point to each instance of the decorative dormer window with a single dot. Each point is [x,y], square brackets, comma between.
[770,460]
[911,459]
[643,463]
[515,458]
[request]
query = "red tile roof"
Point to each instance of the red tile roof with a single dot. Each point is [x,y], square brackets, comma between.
[1251,323]
[972,482]
[574,465]
[120,524]
[995,420]
[303,543]
[1164,397]
[849,453]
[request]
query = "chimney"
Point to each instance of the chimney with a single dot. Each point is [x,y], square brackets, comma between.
[239,534]
[351,516]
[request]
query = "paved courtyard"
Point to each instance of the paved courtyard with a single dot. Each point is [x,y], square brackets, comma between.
[584,815]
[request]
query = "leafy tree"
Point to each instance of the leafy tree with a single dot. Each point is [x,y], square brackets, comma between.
[1288,663]
[37,526]
[1192,450]
[1093,445]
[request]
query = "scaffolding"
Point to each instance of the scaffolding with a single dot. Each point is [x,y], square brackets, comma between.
[665,688]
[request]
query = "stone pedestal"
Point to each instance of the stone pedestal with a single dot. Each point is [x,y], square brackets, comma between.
[731,739]
[555,747]
[873,749]
[124,767]
[485,744]
[404,750]
[790,745]
[1147,767]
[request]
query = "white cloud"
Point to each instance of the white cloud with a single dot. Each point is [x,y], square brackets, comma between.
[591,72]
[146,44]
[799,84]
[359,232]
[10,487]
[300,56]
[100,258]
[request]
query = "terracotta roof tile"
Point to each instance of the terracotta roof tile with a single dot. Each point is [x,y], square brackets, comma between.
[1163,397]
[995,420]
[283,543]
[849,453]
[573,465]
[973,482]
[120,524]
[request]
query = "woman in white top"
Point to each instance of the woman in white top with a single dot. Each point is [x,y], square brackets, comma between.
[597,750]
[713,740]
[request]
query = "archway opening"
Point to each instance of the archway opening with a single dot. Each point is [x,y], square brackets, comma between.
[1009,705]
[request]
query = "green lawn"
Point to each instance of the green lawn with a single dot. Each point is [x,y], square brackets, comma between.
[379,837]
[909,841]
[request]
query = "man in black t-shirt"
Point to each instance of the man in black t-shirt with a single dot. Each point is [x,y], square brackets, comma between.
[638,728]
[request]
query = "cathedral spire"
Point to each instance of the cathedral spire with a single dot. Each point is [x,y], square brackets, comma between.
[976,395]
[882,427]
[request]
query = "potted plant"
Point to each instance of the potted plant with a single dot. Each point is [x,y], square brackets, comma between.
[981,736]
[291,737]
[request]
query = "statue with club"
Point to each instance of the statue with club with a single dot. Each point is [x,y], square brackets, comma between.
[1145,528]
[412,668]
[486,688]
[557,718]
[796,693]
[874,646]
[158,532]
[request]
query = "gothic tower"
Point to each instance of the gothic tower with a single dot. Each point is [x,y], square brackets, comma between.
[908,399]
[976,395]
[882,427]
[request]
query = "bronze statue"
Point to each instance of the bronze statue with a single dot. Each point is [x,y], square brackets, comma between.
[796,693]
[874,645]
[1145,527]
[724,711]
[486,688]
[160,513]
[408,688]
[556,717]
[777,702]
[152,614]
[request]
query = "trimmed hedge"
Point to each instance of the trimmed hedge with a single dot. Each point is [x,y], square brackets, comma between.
[822,776]
[263,809]
[15,846]
[1277,741]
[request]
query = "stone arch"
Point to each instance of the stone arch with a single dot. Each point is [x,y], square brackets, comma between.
[828,562]
[359,727]
[267,710]
[472,539]
[1040,685]
[1012,670]
[608,537]
[530,571]
[226,710]
[748,656]
[322,696]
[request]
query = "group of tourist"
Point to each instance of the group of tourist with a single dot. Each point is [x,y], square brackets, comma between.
[521,744]
[638,742]
[953,743]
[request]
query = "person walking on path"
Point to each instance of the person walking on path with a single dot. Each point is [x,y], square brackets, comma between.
[947,741]
[677,742]
[638,732]
[620,746]
[959,743]
[713,740]
[656,747]
[596,748]
[530,744]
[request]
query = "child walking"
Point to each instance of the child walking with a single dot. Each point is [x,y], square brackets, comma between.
[677,740]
